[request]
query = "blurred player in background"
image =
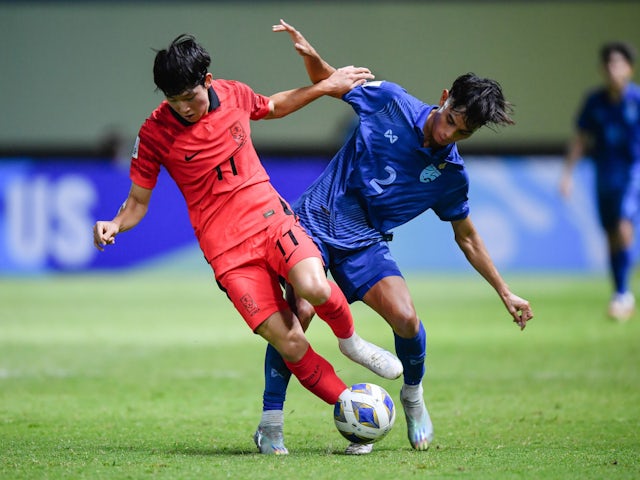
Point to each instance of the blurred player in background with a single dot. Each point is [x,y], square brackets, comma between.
[401,160]
[608,130]
[247,232]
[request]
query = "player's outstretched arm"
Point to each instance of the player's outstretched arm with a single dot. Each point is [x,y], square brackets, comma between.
[131,212]
[471,244]
[317,68]
[337,84]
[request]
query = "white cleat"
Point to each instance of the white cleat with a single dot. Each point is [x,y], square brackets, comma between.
[419,426]
[380,361]
[270,440]
[622,306]
[359,449]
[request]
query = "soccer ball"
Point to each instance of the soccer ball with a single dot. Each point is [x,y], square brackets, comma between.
[364,413]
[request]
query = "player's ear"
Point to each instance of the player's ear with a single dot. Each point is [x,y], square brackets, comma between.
[444,96]
[208,78]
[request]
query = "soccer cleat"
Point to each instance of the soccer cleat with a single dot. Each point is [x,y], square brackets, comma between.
[419,426]
[270,440]
[378,360]
[622,306]
[359,449]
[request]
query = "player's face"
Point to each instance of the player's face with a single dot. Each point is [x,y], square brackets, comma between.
[192,104]
[618,71]
[445,125]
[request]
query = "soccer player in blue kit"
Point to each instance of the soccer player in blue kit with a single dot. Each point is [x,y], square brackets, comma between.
[401,160]
[608,125]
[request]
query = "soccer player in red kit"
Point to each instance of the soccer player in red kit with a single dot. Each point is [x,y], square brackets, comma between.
[201,135]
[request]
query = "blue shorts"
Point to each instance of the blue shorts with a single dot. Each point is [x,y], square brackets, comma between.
[614,205]
[356,271]
[618,193]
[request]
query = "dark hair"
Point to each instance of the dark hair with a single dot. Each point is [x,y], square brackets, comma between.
[481,101]
[180,67]
[623,48]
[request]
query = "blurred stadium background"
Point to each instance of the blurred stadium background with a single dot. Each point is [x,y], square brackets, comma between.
[76,84]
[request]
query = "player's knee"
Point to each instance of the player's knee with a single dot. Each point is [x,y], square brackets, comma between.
[293,346]
[404,321]
[315,290]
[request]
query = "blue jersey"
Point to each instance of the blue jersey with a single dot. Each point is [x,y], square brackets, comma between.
[615,130]
[383,176]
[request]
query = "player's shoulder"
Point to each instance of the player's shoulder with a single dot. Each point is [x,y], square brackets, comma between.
[596,94]
[455,158]
[160,119]
[594,99]
[383,87]
[233,93]
[222,85]
[377,93]
[634,90]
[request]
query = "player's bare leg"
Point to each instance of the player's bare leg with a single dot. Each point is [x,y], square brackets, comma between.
[310,283]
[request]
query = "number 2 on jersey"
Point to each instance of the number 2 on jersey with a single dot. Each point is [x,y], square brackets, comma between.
[376,182]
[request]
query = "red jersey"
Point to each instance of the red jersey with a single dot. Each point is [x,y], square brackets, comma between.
[214,164]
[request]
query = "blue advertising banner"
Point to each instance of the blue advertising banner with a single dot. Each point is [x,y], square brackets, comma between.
[47,211]
[48,208]
[525,223]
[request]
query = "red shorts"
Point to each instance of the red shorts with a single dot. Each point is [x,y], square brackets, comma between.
[250,272]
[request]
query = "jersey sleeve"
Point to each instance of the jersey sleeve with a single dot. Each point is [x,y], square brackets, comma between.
[451,209]
[454,204]
[372,96]
[256,104]
[145,167]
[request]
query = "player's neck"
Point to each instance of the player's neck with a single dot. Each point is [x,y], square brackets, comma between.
[615,92]
[426,130]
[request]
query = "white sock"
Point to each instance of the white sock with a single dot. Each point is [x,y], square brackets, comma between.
[351,344]
[272,418]
[412,393]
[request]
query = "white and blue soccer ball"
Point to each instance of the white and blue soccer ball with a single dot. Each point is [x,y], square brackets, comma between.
[365,413]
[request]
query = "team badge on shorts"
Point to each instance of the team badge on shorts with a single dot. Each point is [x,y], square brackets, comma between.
[249,304]
[237,132]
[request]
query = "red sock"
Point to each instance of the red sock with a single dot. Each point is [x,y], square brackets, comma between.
[335,311]
[318,376]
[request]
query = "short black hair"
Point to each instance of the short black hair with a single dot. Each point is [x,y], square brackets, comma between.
[481,101]
[180,67]
[623,48]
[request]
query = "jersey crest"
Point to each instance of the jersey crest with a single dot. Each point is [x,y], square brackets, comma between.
[237,132]
[429,174]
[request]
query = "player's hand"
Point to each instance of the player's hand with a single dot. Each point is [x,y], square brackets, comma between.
[347,78]
[104,233]
[519,309]
[302,46]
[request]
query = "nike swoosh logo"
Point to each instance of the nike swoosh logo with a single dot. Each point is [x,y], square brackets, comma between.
[188,158]
[288,257]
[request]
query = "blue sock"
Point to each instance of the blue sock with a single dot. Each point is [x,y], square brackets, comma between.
[620,269]
[412,352]
[276,379]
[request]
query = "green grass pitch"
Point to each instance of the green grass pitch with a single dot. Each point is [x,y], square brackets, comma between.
[155,376]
